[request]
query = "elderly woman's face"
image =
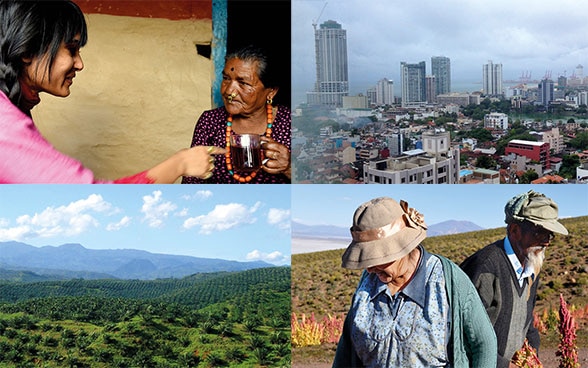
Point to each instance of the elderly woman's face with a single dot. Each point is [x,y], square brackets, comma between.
[242,90]
[386,272]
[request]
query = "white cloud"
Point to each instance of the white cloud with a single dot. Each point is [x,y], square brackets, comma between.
[69,220]
[155,209]
[201,195]
[16,233]
[182,213]
[279,217]
[275,257]
[115,226]
[223,217]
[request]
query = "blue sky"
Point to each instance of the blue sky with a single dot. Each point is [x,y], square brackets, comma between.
[320,204]
[234,222]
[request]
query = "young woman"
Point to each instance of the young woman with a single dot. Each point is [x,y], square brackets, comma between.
[40,45]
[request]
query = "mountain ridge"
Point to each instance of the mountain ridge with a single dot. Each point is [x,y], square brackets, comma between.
[74,260]
[448,227]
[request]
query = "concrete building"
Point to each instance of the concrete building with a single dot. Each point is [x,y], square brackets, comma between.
[492,79]
[441,69]
[332,78]
[385,92]
[413,83]
[355,102]
[431,88]
[545,92]
[496,120]
[372,96]
[460,99]
[395,143]
[536,151]
[582,98]
[555,140]
[435,163]
[582,173]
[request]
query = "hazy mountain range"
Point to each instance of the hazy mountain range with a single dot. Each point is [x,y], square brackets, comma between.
[76,261]
[338,232]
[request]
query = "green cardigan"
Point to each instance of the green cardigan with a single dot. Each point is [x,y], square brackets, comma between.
[473,341]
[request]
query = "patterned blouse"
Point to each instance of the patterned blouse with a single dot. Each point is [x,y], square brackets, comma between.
[211,131]
[408,329]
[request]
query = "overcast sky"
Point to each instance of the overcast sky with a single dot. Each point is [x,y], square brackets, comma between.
[535,36]
[234,222]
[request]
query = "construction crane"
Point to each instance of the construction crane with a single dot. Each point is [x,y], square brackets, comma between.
[315,22]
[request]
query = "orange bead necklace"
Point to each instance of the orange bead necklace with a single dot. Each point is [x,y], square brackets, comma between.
[268,133]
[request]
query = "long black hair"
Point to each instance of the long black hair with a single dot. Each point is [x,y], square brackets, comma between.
[30,29]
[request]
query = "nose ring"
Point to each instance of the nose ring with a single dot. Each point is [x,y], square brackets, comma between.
[231,96]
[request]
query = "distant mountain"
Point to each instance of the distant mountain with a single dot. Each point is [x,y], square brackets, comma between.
[25,276]
[76,261]
[452,227]
[328,231]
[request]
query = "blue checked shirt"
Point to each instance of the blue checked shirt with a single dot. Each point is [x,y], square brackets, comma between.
[408,329]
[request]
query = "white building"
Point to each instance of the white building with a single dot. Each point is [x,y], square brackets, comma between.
[496,120]
[492,79]
[436,163]
[413,87]
[385,92]
[332,76]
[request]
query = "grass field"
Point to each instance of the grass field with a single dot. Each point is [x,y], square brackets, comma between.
[321,287]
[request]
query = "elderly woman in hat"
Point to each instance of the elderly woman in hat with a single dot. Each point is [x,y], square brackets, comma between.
[411,308]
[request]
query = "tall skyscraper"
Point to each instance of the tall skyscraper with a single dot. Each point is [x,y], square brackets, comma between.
[441,69]
[332,81]
[545,91]
[385,92]
[492,79]
[431,89]
[413,83]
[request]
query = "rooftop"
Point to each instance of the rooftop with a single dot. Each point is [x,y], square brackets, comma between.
[530,143]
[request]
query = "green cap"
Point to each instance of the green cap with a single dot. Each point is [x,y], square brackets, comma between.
[536,208]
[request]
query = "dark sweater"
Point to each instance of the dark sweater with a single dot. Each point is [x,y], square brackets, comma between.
[509,306]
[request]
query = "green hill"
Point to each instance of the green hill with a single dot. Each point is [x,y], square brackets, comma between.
[322,287]
[239,319]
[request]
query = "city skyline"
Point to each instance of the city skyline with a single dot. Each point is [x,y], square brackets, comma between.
[526,38]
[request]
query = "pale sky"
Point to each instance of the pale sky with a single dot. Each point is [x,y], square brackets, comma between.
[233,222]
[320,204]
[535,36]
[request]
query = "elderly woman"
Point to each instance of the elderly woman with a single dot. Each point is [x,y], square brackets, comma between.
[248,89]
[40,52]
[411,308]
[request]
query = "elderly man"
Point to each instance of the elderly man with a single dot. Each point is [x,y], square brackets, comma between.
[506,272]
[411,308]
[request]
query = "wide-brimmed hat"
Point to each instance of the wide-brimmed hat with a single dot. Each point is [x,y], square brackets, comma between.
[383,231]
[536,208]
